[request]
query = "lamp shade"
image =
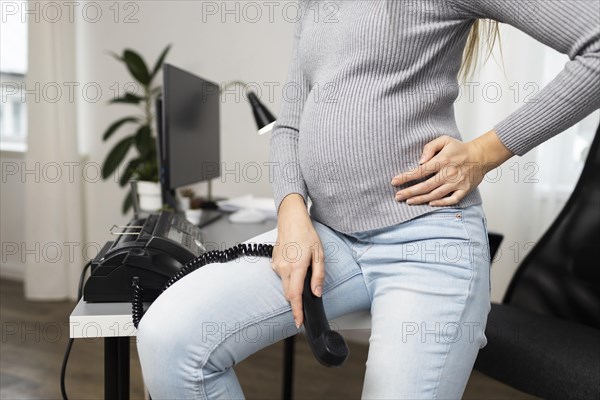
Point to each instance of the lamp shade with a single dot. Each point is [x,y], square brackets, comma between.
[263,117]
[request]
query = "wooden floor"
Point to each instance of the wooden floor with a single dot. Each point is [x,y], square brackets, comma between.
[35,334]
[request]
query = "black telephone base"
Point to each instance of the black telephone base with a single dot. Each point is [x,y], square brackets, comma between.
[152,249]
[152,254]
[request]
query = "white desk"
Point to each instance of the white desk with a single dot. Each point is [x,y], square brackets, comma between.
[112,321]
[93,320]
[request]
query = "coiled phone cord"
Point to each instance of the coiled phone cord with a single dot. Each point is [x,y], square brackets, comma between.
[327,345]
[220,256]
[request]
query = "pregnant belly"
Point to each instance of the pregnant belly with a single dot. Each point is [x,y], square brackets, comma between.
[354,149]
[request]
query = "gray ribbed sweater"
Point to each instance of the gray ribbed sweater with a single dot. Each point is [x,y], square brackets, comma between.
[371,82]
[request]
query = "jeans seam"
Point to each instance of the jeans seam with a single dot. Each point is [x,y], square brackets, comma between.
[469,247]
[487,242]
[460,316]
[462,311]
[357,261]
[279,311]
[200,375]
[340,281]
[365,282]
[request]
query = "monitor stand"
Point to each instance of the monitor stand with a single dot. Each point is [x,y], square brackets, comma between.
[210,211]
[209,205]
[208,216]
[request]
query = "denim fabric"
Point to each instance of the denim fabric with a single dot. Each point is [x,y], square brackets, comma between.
[426,282]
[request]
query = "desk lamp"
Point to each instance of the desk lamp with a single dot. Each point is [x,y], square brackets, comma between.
[263,117]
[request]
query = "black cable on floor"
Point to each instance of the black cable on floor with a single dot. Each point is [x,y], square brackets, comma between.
[63,369]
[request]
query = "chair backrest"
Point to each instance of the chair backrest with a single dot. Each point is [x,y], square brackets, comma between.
[495,240]
[561,274]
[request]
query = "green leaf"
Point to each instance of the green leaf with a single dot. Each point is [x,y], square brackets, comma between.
[116,125]
[116,155]
[137,67]
[126,203]
[148,170]
[130,170]
[159,62]
[143,140]
[129,98]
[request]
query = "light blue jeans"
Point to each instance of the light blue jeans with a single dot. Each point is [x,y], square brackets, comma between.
[426,282]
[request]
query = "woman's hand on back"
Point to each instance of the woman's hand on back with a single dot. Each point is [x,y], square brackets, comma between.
[457,169]
[298,246]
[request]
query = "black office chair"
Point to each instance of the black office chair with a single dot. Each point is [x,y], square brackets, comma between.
[544,338]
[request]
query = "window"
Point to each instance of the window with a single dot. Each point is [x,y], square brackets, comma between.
[13,67]
[570,147]
[560,160]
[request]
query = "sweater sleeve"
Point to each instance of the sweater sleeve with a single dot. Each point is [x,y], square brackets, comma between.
[286,177]
[571,27]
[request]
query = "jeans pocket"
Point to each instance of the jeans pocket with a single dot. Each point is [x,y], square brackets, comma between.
[486,248]
[441,213]
[443,223]
[487,251]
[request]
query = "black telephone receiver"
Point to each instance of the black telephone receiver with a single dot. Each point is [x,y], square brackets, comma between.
[328,346]
[152,254]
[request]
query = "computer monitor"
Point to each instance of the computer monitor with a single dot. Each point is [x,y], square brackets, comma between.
[188,131]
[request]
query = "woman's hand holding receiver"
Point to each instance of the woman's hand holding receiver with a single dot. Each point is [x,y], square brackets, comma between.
[298,246]
[457,169]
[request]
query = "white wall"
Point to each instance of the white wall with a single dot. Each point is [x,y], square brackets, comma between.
[220,51]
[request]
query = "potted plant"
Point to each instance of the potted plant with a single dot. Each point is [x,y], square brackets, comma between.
[191,205]
[143,164]
[187,195]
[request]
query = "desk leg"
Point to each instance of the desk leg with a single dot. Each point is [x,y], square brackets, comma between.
[288,367]
[116,368]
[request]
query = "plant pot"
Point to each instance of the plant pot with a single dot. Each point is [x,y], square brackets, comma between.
[185,203]
[193,215]
[149,195]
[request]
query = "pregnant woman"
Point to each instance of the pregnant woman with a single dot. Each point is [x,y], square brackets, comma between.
[367,133]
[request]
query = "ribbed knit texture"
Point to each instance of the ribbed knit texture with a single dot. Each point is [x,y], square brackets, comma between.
[371,82]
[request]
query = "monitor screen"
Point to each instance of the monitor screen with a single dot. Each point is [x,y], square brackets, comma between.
[190,150]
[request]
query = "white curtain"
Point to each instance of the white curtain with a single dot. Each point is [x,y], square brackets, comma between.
[53,207]
[560,161]
[522,197]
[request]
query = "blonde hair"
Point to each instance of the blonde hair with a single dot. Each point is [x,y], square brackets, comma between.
[481,28]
